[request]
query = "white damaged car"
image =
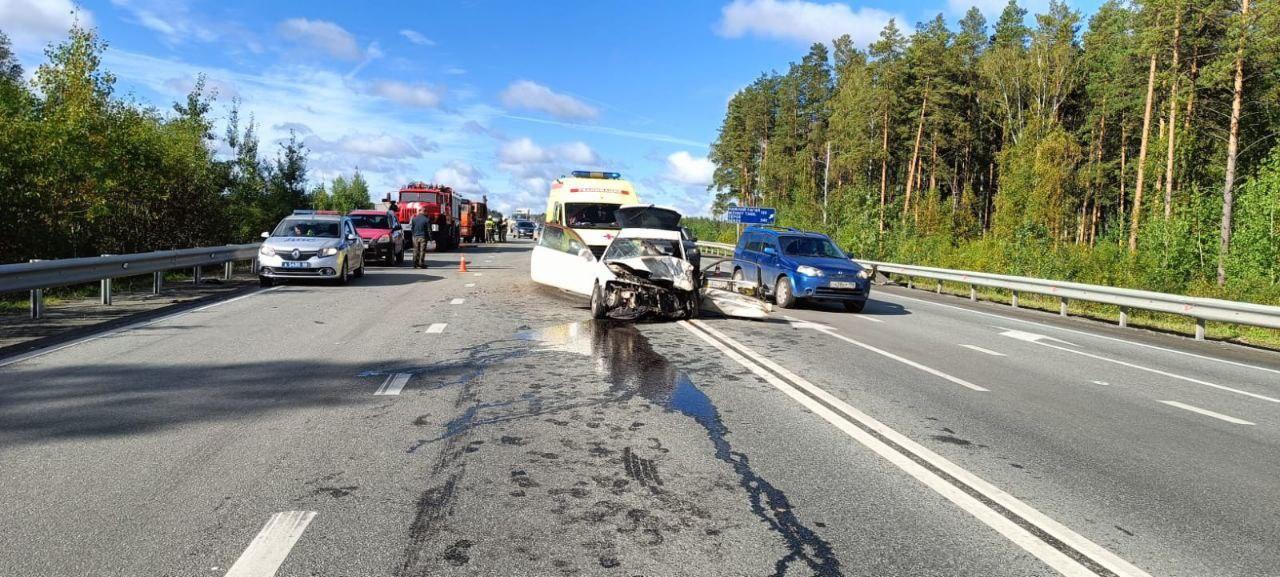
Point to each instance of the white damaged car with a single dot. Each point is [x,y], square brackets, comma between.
[644,272]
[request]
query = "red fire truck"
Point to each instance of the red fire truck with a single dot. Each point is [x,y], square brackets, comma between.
[443,207]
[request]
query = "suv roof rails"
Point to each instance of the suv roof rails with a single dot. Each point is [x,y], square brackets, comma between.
[781,228]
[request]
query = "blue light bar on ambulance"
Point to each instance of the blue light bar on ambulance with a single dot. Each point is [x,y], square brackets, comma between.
[596,174]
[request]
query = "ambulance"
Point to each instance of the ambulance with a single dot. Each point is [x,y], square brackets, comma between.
[585,203]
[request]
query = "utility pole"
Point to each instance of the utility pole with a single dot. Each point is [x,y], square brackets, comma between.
[826,173]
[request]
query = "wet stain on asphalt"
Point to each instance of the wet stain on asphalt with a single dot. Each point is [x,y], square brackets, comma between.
[335,492]
[951,440]
[632,367]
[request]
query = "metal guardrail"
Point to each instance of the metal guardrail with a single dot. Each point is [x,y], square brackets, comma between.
[1198,308]
[35,276]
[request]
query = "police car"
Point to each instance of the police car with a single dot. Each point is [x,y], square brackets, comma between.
[311,244]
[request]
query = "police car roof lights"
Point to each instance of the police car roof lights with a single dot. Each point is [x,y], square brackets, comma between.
[596,174]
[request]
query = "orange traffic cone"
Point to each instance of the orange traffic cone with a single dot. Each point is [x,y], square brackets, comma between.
[462,263]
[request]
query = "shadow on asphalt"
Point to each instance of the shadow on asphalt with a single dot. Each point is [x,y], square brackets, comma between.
[874,307]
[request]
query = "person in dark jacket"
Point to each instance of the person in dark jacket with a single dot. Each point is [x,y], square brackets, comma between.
[421,226]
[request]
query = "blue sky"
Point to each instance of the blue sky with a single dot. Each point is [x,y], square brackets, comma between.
[492,98]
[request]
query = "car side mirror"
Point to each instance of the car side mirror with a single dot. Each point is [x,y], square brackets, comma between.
[352,237]
[770,251]
[265,235]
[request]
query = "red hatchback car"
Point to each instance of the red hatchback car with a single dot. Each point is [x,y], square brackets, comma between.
[384,239]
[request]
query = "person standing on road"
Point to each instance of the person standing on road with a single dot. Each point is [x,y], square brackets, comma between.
[489,228]
[421,226]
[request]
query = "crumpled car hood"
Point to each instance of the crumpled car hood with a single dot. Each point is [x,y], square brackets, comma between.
[661,268]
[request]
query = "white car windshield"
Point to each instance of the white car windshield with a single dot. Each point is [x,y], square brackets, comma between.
[304,227]
[634,247]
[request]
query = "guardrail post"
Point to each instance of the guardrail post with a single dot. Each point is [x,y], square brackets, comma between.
[104,292]
[1062,306]
[973,293]
[157,282]
[253,265]
[226,270]
[1124,317]
[1015,299]
[1200,329]
[37,299]
[195,275]
[939,289]
[37,303]
[910,284]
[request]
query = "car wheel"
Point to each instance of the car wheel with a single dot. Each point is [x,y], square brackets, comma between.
[854,306]
[783,293]
[266,281]
[360,271]
[737,280]
[598,310]
[342,276]
[692,307]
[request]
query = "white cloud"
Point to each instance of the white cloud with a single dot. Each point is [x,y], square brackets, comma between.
[455,71]
[377,146]
[801,20]
[418,95]
[463,177]
[219,88]
[577,153]
[686,168]
[32,24]
[172,19]
[522,151]
[526,94]
[322,35]
[417,38]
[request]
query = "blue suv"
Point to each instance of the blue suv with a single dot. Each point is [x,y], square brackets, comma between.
[794,265]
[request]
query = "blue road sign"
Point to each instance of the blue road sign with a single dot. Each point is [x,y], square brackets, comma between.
[751,215]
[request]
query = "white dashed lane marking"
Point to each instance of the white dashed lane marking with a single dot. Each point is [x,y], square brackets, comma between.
[469,285]
[268,550]
[437,327]
[457,301]
[982,350]
[1207,413]
[394,384]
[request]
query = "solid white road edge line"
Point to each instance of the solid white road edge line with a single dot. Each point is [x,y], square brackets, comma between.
[42,352]
[1160,372]
[437,327]
[1208,413]
[457,301]
[393,384]
[1089,334]
[268,550]
[907,456]
[867,318]
[982,350]
[905,361]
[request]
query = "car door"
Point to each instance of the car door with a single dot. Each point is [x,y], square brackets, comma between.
[355,248]
[561,259]
[768,261]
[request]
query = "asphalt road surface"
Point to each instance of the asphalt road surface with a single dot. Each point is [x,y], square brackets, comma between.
[432,422]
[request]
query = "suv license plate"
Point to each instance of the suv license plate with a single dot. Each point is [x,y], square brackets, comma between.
[839,284]
[297,265]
